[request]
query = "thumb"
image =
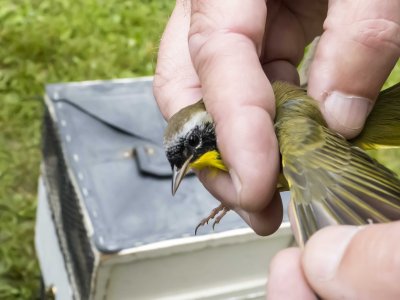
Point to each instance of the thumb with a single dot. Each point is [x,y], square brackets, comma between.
[349,262]
[358,49]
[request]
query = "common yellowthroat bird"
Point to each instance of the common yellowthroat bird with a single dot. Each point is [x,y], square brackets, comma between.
[331,180]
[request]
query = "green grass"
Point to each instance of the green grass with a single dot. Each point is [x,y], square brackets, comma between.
[44,41]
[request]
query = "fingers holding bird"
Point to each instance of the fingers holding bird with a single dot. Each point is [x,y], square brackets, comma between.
[357,50]
[225,41]
[212,50]
[217,44]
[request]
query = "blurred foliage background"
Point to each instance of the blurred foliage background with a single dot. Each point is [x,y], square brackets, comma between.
[45,41]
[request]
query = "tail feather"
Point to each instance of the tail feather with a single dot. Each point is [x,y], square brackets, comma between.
[382,127]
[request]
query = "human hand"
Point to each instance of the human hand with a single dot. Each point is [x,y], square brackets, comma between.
[340,262]
[227,51]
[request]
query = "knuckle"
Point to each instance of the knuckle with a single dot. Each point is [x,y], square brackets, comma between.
[378,34]
[208,52]
[209,18]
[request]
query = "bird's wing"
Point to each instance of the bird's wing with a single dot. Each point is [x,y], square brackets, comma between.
[333,182]
[382,127]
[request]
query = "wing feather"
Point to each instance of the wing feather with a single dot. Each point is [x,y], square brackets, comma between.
[331,181]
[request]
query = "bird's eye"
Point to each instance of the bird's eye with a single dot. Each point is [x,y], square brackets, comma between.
[193,140]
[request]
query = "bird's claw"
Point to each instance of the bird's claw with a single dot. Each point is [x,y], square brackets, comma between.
[220,216]
[215,212]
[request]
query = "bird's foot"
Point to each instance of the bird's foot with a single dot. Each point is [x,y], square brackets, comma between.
[218,212]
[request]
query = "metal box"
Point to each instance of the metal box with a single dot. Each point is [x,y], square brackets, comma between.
[107,226]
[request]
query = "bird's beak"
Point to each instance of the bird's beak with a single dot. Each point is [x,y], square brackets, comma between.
[178,174]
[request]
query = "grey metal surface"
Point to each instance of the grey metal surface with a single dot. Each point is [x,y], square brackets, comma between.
[111,133]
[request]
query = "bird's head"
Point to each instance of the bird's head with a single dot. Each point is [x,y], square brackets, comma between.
[190,142]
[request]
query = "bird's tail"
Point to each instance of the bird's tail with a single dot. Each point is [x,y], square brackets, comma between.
[382,127]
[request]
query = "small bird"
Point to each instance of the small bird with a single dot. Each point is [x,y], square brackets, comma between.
[331,180]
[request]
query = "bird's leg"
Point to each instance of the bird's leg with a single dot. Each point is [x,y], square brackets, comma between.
[212,215]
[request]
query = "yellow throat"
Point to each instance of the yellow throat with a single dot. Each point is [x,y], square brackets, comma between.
[209,159]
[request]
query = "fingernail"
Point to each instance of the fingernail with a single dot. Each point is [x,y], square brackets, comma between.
[326,249]
[348,111]
[236,181]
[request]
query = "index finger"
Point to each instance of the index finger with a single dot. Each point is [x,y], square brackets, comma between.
[225,40]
